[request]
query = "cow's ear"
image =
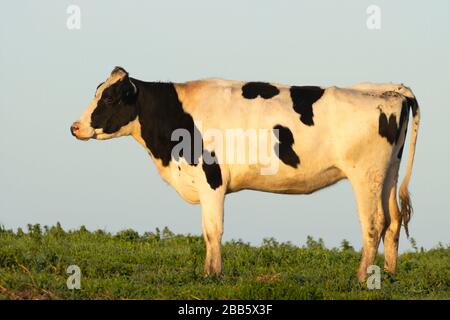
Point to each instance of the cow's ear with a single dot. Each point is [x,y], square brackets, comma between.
[119,70]
[129,90]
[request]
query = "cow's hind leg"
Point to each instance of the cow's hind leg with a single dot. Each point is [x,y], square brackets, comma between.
[368,191]
[393,219]
[212,226]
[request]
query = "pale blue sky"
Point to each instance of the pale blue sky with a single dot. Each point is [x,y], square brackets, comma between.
[49,75]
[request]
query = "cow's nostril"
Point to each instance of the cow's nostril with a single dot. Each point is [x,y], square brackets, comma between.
[74,128]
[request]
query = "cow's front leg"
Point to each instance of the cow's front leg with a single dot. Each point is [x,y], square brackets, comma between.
[212,225]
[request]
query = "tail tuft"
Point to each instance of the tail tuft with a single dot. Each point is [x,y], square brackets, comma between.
[406,209]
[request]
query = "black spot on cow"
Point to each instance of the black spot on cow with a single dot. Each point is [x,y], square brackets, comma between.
[403,119]
[303,98]
[265,90]
[412,102]
[211,169]
[160,113]
[283,149]
[116,107]
[388,128]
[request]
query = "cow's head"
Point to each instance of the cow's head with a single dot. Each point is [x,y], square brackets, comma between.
[112,111]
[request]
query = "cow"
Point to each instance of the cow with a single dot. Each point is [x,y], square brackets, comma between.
[319,136]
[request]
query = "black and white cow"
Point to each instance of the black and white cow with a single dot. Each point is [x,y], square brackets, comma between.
[318,135]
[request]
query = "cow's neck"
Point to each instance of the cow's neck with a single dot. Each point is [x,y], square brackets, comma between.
[159,113]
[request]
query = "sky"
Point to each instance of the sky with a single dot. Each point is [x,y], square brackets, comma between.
[49,73]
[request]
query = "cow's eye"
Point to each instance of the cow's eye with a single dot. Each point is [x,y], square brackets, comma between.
[108,100]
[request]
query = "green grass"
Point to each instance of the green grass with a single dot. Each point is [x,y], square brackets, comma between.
[162,265]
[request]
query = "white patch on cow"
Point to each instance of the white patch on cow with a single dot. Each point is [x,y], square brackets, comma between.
[125,130]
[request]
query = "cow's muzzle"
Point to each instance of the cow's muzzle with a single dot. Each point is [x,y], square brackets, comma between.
[75,128]
[78,132]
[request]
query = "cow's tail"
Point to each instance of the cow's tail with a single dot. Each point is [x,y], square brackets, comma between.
[405,200]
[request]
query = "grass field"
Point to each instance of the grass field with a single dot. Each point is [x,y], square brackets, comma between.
[161,265]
